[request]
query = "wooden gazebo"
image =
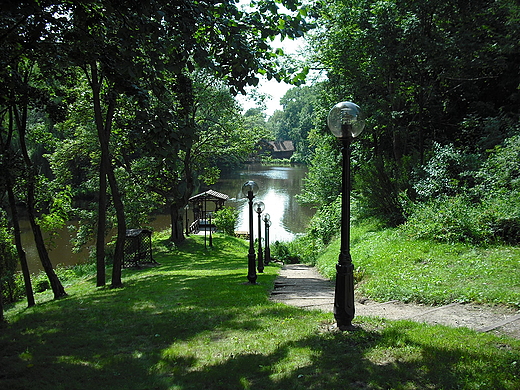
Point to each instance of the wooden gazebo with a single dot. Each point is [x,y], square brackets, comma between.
[202,204]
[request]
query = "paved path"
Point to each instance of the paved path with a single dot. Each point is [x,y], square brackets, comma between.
[303,286]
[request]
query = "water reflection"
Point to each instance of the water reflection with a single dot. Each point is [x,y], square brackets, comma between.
[278,187]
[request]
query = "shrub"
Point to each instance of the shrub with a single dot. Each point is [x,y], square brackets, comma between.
[448,173]
[8,262]
[283,251]
[378,185]
[447,219]
[500,173]
[325,224]
[501,216]
[226,219]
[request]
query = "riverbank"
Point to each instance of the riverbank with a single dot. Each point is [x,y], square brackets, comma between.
[194,322]
[278,186]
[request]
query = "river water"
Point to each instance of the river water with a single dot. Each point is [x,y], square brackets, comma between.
[277,189]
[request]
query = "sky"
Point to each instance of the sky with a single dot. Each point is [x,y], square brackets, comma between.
[273,89]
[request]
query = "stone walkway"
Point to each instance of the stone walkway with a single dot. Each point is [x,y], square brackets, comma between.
[302,286]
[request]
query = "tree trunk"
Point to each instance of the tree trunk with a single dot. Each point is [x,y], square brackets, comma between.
[121,229]
[101,228]
[21,124]
[177,231]
[57,287]
[104,128]
[19,248]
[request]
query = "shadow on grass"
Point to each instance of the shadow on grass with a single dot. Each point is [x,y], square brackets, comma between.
[390,359]
[192,323]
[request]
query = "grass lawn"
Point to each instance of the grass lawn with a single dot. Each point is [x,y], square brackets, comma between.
[391,266]
[194,323]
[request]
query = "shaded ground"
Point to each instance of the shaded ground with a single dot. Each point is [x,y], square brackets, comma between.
[303,286]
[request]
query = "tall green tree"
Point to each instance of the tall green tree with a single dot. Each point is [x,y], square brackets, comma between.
[23,32]
[175,173]
[420,70]
[135,51]
[297,118]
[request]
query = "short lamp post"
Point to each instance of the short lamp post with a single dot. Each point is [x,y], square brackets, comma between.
[259,208]
[267,252]
[345,123]
[248,190]
[210,214]
[186,208]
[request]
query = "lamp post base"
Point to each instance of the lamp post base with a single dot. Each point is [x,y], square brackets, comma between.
[251,272]
[260,260]
[344,296]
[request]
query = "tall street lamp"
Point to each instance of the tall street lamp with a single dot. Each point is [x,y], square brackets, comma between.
[345,123]
[249,189]
[267,222]
[259,208]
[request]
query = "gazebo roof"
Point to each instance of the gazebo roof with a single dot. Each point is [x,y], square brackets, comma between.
[209,195]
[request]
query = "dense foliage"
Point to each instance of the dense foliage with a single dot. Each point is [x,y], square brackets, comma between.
[226,220]
[109,109]
[438,83]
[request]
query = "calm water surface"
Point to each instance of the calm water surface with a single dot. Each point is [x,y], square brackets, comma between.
[277,189]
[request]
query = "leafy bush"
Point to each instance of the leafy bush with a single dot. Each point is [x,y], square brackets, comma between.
[284,252]
[501,216]
[323,227]
[448,173]
[226,219]
[500,173]
[378,185]
[447,219]
[325,224]
[8,262]
[321,186]
[460,201]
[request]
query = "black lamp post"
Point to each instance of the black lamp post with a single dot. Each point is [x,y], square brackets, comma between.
[259,208]
[210,214]
[267,254]
[249,189]
[204,213]
[187,220]
[345,123]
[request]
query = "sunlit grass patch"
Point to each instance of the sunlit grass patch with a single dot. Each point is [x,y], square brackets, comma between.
[194,322]
[391,266]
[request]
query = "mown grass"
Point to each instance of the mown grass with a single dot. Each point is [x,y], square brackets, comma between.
[193,323]
[391,266]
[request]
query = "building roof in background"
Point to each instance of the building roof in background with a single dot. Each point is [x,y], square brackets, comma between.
[282,146]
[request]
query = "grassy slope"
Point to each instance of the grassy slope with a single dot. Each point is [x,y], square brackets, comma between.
[192,323]
[393,267]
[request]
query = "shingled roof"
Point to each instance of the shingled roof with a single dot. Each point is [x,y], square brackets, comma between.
[282,146]
[210,195]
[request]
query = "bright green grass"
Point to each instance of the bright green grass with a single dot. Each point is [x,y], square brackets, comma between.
[394,267]
[192,323]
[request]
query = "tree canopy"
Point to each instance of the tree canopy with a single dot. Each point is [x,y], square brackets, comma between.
[424,73]
[111,84]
